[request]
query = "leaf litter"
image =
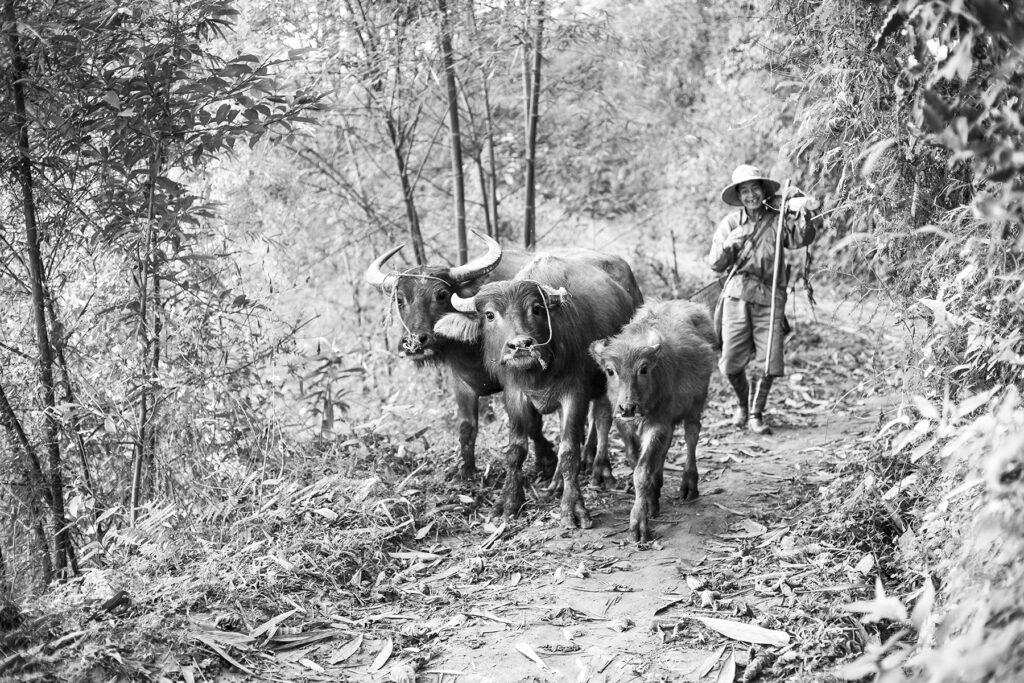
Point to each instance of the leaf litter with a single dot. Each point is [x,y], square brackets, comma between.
[384,565]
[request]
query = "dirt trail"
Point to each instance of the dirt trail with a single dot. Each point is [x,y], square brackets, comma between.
[601,608]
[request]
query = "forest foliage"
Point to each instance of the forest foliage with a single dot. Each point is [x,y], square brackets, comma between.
[191,193]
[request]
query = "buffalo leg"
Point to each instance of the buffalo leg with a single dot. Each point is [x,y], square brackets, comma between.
[574,415]
[590,445]
[512,497]
[545,458]
[600,425]
[691,431]
[630,441]
[645,482]
[468,416]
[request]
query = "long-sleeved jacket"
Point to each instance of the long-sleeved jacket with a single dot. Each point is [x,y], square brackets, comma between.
[753,279]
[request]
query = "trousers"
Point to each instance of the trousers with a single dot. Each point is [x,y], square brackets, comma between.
[745,329]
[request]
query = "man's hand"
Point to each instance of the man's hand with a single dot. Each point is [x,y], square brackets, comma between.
[735,240]
[801,204]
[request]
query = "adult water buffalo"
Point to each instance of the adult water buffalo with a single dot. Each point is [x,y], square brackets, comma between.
[535,331]
[658,370]
[423,295]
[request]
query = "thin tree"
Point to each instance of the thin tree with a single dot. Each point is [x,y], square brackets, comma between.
[532,88]
[63,551]
[375,57]
[455,137]
[488,174]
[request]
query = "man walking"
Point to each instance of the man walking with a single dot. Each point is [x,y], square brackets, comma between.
[744,244]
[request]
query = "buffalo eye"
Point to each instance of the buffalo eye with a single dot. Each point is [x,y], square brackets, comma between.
[642,370]
[489,315]
[537,309]
[442,295]
[400,300]
[610,371]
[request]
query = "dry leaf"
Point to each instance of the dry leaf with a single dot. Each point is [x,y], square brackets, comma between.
[271,624]
[727,674]
[710,662]
[383,656]
[327,513]
[559,575]
[424,531]
[693,582]
[311,665]
[746,633]
[346,650]
[402,673]
[621,624]
[866,564]
[531,654]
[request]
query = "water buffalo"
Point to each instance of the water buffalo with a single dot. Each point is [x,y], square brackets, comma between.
[423,295]
[658,370]
[535,330]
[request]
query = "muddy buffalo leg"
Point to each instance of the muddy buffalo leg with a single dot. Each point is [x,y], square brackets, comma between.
[630,441]
[545,458]
[468,415]
[574,417]
[691,431]
[512,498]
[601,470]
[654,444]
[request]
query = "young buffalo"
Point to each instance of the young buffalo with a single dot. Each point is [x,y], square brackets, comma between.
[658,369]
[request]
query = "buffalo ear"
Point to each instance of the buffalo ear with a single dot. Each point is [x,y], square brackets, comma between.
[555,297]
[597,349]
[461,327]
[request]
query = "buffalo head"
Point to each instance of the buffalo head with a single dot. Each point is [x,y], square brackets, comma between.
[514,320]
[423,294]
[631,367]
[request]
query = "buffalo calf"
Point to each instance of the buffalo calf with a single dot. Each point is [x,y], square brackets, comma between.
[658,369]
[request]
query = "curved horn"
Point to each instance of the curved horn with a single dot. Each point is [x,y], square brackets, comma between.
[479,266]
[464,305]
[377,277]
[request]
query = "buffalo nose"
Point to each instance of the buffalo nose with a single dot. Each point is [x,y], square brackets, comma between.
[627,410]
[519,343]
[415,341]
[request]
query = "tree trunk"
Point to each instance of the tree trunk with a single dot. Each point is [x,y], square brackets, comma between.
[411,215]
[63,551]
[533,102]
[375,88]
[488,177]
[455,136]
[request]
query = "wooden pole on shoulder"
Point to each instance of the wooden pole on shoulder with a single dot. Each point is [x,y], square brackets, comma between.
[775,278]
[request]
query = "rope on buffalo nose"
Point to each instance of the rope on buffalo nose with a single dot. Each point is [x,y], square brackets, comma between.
[547,309]
[393,297]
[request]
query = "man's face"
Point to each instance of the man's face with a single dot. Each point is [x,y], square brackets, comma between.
[751,194]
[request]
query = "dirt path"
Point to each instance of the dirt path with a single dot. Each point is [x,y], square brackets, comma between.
[592,606]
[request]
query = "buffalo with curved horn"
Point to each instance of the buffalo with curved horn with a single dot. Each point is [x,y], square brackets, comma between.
[423,294]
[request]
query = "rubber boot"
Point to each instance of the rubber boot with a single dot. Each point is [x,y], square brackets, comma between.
[739,384]
[756,423]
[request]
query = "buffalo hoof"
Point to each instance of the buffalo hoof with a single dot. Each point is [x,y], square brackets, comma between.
[688,490]
[639,527]
[555,487]
[462,473]
[602,477]
[546,466]
[510,503]
[574,512]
